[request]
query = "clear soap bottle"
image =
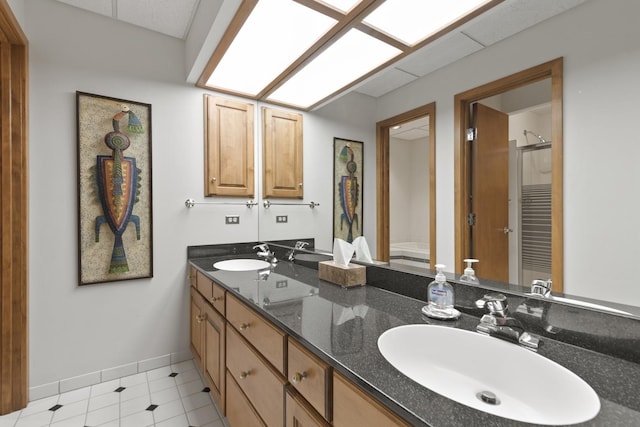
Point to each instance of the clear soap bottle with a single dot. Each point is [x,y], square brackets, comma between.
[469,274]
[440,298]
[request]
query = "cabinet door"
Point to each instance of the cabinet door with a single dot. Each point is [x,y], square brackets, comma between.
[298,415]
[229,147]
[352,406]
[240,413]
[282,153]
[214,354]
[197,320]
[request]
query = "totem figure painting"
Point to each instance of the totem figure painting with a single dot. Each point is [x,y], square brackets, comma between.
[114,164]
[347,209]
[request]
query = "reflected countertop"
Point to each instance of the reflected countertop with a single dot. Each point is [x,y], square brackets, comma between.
[342,326]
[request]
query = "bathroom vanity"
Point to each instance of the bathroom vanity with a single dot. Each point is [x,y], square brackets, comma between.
[282,347]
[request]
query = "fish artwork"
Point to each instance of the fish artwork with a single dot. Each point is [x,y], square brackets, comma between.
[118,185]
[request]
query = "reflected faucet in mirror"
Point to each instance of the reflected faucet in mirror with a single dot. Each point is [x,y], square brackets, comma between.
[264,252]
[291,255]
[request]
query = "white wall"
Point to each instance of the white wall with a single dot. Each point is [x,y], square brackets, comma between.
[599,43]
[78,330]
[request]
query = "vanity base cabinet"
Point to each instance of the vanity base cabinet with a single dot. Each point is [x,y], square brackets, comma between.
[299,415]
[239,410]
[261,384]
[353,407]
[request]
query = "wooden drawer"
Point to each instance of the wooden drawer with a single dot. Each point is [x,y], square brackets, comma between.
[352,406]
[309,376]
[217,298]
[262,385]
[268,340]
[240,413]
[298,415]
[204,285]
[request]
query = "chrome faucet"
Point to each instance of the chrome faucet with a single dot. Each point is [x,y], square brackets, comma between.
[541,287]
[264,252]
[498,323]
[291,255]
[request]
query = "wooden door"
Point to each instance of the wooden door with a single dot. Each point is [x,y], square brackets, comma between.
[490,193]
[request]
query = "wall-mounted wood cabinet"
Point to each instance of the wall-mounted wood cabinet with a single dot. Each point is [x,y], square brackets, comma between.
[282,154]
[229,147]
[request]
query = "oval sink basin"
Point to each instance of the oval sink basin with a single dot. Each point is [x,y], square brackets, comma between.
[489,374]
[241,264]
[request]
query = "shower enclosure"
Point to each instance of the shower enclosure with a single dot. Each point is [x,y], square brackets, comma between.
[531,214]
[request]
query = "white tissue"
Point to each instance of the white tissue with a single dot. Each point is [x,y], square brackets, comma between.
[342,252]
[362,249]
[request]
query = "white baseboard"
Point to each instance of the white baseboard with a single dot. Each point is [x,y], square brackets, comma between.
[108,374]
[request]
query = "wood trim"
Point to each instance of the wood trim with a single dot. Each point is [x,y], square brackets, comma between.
[462,101]
[382,172]
[14,209]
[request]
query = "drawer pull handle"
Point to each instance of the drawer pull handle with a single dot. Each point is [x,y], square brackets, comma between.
[214,299]
[298,377]
[244,374]
[200,318]
[244,326]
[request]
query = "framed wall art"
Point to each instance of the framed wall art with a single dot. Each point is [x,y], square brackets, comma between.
[347,189]
[114,189]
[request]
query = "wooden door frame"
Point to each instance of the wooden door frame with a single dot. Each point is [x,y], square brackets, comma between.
[14,170]
[553,70]
[382,170]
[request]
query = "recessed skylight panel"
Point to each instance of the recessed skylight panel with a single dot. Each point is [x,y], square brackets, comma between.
[276,33]
[348,59]
[411,21]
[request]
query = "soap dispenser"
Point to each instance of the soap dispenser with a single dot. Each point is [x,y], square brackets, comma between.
[440,298]
[469,275]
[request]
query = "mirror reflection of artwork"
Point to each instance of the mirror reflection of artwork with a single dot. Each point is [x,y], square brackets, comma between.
[114,165]
[347,179]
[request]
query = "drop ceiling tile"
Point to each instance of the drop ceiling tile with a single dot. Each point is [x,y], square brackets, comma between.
[511,17]
[103,7]
[441,52]
[172,17]
[412,134]
[385,82]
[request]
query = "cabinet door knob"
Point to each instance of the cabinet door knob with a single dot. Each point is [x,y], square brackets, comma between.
[213,179]
[244,374]
[214,299]
[298,377]
[200,318]
[244,326]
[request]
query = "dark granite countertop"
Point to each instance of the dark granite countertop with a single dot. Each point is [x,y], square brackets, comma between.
[342,326]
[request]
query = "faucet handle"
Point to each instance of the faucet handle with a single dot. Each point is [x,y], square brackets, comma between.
[300,244]
[262,247]
[497,304]
[541,287]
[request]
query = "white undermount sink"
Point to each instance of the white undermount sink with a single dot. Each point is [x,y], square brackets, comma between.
[241,264]
[473,369]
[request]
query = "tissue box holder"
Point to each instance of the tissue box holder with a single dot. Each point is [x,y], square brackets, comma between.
[351,275]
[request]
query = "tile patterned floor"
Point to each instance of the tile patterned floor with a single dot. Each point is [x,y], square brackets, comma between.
[172,396]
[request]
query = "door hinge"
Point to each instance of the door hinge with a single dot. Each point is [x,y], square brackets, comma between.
[472,134]
[471,219]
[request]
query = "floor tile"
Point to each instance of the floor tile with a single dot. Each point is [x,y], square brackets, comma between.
[165,396]
[129,407]
[179,421]
[103,415]
[170,396]
[140,419]
[195,401]
[168,410]
[201,416]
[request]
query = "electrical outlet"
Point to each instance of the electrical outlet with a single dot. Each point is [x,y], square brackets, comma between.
[232,219]
[281,219]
